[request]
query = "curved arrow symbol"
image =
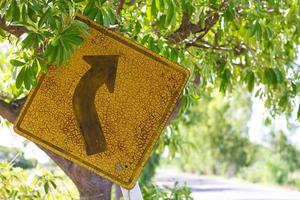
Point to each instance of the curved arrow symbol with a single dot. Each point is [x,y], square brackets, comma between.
[103,71]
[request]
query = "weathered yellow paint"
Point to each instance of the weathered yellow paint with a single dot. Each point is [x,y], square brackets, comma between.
[146,89]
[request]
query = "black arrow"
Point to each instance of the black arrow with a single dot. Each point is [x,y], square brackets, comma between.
[103,71]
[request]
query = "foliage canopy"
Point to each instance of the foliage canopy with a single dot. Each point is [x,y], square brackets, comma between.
[225,44]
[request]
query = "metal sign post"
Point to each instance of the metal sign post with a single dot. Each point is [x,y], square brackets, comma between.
[133,194]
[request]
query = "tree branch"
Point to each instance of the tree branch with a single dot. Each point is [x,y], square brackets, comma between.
[187,27]
[211,20]
[10,111]
[214,47]
[238,49]
[12,29]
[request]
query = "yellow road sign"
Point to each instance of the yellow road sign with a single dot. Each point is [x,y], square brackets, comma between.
[106,108]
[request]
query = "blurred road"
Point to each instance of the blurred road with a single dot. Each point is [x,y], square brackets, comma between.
[212,188]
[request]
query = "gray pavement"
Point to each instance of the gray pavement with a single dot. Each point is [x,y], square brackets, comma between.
[215,188]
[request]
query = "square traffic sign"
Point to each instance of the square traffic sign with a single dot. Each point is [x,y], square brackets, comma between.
[106,108]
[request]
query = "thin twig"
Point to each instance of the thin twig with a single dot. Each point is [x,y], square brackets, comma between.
[211,20]
[120,6]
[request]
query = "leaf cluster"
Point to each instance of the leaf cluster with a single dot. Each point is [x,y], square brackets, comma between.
[15,183]
[250,44]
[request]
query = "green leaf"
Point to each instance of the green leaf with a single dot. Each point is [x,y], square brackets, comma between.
[279,76]
[225,80]
[44,18]
[24,13]
[92,13]
[48,51]
[55,40]
[20,78]
[250,81]
[268,121]
[283,100]
[66,53]
[27,78]
[2,33]
[46,187]
[294,88]
[106,20]
[162,5]
[253,29]
[269,33]
[10,11]
[258,32]
[34,81]
[53,184]
[59,23]
[229,13]
[52,22]
[59,55]
[148,13]
[29,41]
[99,17]
[270,76]
[158,4]
[2,4]
[68,49]
[69,31]
[195,96]
[43,66]
[162,21]
[51,53]
[35,67]
[75,40]
[16,63]
[88,7]
[138,27]
[153,8]
[145,39]
[31,13]
[15,10]
[81,27]
[170,12]
[111,16]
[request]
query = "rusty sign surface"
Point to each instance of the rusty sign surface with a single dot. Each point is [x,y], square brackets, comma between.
[106,108]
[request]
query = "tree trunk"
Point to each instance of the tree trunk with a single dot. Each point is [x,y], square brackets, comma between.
[89,185]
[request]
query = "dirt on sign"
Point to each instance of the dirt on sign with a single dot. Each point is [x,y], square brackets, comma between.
[106,108]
